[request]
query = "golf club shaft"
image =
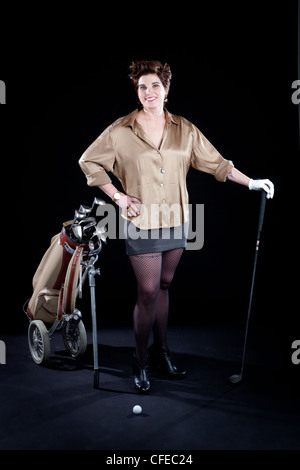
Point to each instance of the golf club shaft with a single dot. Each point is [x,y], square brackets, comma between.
[260,223]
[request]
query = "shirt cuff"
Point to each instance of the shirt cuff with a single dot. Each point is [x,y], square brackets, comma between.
[98,178]
[223,170]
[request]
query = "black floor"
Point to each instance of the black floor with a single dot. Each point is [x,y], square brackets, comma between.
[57,407]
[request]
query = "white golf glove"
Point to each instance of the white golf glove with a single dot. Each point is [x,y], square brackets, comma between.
[266,185]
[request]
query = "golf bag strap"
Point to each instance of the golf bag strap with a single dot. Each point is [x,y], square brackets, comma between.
[69,248]
[60,306]
[71,281]
[29,313]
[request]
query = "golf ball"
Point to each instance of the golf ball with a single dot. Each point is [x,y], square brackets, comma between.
[137,409]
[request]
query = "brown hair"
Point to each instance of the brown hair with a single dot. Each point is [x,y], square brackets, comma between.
[139,68]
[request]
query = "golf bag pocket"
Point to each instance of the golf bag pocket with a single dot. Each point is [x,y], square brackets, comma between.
[49,279]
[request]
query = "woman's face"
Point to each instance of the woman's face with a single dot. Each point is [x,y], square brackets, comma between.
[151,92]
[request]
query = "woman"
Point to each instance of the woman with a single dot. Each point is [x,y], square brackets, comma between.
[150,152]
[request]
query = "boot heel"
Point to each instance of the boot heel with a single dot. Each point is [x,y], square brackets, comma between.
[160,358]
[141,377]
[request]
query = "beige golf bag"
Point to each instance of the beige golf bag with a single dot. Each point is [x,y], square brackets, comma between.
[56,279]
[57,282]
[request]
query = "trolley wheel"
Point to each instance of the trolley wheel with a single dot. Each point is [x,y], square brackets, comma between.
[38,341]
[74,337]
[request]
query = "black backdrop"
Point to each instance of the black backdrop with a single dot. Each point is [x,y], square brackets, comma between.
[233,67]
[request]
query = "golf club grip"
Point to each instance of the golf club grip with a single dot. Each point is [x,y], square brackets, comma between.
[261,212]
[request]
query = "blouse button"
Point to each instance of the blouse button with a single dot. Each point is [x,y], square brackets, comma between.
[162,170]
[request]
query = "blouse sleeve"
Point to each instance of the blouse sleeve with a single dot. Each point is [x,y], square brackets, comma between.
[206,158]
[98,159]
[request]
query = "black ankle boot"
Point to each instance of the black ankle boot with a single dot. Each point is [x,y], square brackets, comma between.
[141,377]
[160,358]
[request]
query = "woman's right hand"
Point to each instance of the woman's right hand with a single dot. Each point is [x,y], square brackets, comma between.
[128,203]
[125,202]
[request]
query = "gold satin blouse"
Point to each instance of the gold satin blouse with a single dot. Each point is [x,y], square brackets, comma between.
[156,176]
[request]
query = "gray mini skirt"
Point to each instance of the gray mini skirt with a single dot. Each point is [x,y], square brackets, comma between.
[138,241]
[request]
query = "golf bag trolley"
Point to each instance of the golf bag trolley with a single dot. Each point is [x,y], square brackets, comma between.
[57,283]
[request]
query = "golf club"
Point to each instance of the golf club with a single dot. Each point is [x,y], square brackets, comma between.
[236,378]
[85,209]
[101,232]
[77,231]
[88,225]
[78,215]
[97,202]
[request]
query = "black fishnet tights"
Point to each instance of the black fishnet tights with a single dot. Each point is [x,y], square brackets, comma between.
[154,273]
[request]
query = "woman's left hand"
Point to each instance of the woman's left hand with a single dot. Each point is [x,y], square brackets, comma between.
[265,185]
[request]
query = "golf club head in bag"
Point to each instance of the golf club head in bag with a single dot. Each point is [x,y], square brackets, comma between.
[83,226]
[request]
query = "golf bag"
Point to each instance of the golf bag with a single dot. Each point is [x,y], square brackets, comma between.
[56,279]
[55,282]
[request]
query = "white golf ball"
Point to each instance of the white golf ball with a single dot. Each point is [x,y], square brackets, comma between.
[137,409]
